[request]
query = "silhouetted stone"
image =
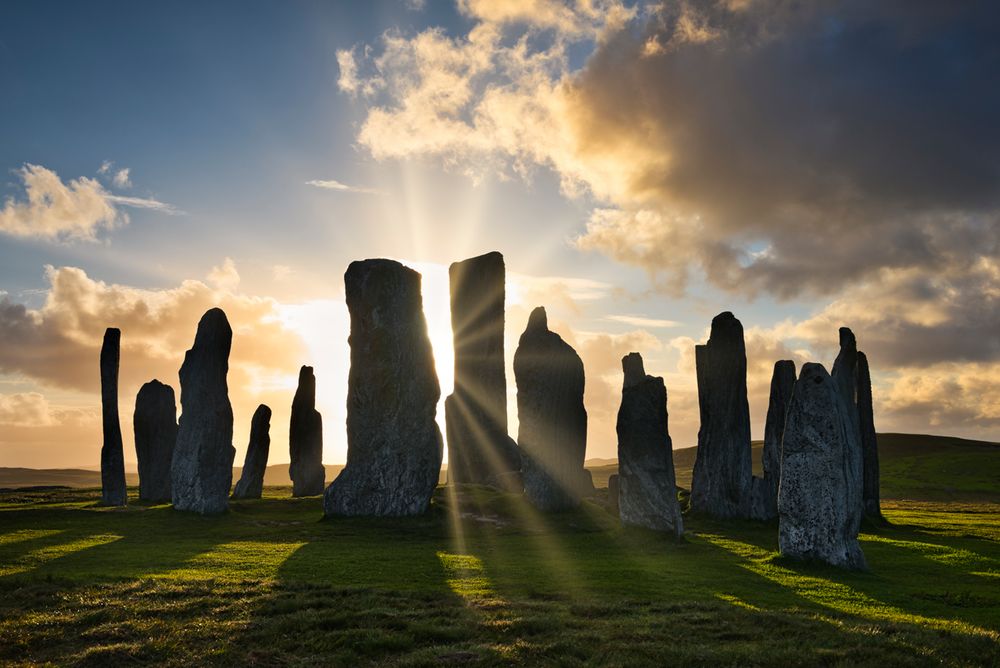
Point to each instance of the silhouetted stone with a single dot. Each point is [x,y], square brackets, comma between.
[765,490]
[648,490]
[479,449]
[394,446]
[845,377]
[154,423]
[305,439]
[553,422]
[112,455]
[869,441]
[202,469]
[721,484]
[614,492]
[251,482]
[818,516]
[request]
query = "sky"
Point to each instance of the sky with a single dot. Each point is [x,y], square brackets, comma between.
[641,165]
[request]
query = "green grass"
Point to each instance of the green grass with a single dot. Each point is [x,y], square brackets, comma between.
[481,580]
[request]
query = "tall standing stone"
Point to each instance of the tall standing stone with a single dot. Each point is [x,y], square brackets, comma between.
[721,485]
[202,468]
[112,455]
[553,422]
[817,517]
[305,439]
[155,426]
[869,441]
[479,449]
[765,490]
[845,377]
[394,446]
[647,486]
[251,482]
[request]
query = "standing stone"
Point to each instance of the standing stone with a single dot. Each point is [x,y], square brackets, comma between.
[479,449]
[647,486]
[553,422]
[765,490]
[722,481]
[817,517]
[305,439]
[394,446]
[869,441]
[202,468]
[251,482]
[614,491]
[155,426]
[845,377]
[112,456]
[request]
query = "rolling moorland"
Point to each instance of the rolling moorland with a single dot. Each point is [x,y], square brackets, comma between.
[483,579]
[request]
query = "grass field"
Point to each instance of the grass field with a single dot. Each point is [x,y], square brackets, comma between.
[481,580]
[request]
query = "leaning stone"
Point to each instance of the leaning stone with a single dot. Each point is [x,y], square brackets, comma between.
[648,489]
[305,438]
[112,455]
[817,518]
[869,441]
[553,421]
[479,448]
[155,426]
[394,446]
[765,490]
[721,485]
[202,468]
[251,482]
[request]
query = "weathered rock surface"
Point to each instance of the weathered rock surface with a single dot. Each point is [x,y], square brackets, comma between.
[394,446]
[648,489]
[305,439]
[112,455]
[845,376]
[479,449]
[614,492]
[869,442]
[154,423]
[553,422]
[818,517]
[202,468]
[765,490]
[251,482]
[721,485]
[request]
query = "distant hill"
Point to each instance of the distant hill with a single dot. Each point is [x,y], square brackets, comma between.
[913,466]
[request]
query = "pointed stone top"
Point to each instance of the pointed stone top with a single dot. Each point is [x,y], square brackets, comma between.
[847,338]
[263,412]
[815,372]
[112,332]
[634,371]
[212,326]
[784,366]
[537,321]
[725,327]
[305,372]
[862,358]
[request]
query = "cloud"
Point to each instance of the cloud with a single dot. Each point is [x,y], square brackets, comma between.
[330,184]
[642,321]
[76,210]
[24,409]
[121,178]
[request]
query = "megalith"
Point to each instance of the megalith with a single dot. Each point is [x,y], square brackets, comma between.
[845,377]
[869,441]
[479,448]
[721,485]
[251,482]
[305,439]
[112,454]
[647,487]
[765,489]
[394,446]
[154,423]
[202,467]
[552,435]
[817,517]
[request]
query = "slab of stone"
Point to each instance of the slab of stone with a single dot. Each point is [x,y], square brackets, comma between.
[765,490]
[305,439]
[251,482]
[113,491]
[394,446]
[202,467]
[721,485]
[479,448]
[869,442]
[647,485]
[845,376]
[552,434]
[818,519]
[154,424]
